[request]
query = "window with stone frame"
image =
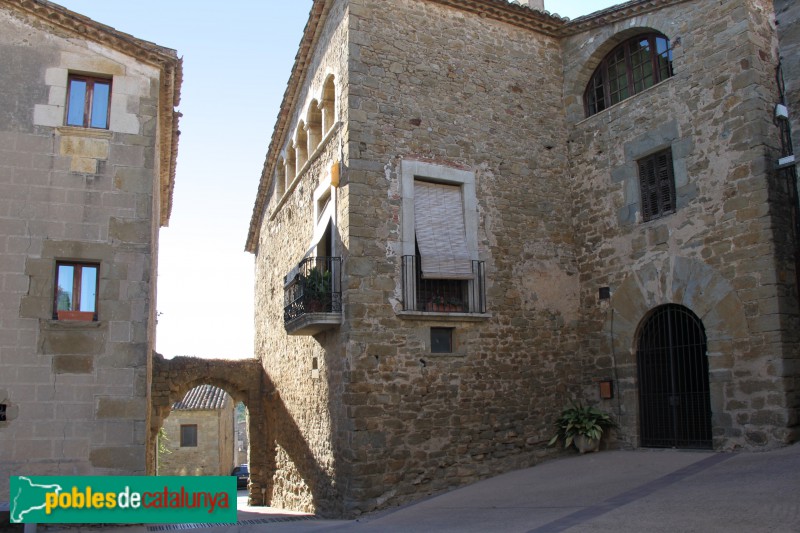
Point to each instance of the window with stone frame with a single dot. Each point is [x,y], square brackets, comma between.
[443,262]
[188,435]
[88,101]
[657,185]
[440,268]
[630,68]
[76,287]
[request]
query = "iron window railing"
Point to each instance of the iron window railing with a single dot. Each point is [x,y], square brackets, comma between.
[315,286]
[443,295]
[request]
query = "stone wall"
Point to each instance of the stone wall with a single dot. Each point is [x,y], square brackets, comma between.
[726,252]
[77,391]
[308,404]
[787,18]
[436,85]
[374,417]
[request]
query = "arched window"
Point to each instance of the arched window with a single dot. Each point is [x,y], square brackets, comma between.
[280,178]
[328,104]
[289,162]
[314,126]
[301,146]
[630,68]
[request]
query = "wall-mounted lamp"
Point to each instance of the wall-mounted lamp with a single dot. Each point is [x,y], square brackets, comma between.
[606,389]
[335,174]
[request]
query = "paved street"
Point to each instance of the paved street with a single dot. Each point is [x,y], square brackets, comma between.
[620,491]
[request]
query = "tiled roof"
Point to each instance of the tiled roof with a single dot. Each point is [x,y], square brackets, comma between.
[203,397]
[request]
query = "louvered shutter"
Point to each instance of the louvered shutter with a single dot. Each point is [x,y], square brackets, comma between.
[647,181]
[440,231]
[666,182]
[657,185]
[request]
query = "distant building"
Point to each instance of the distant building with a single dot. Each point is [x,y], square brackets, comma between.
[473,212]
[199,435]
[242,440]
[88,142]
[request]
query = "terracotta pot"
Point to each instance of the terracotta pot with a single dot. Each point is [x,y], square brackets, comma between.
[585,444]
[443,308]
[85,316]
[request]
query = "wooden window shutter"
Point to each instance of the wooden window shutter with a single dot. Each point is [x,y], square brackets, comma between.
[440,231]
[657,185]
[666,182]
[647,180]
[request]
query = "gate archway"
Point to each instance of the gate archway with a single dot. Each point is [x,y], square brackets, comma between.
[245,381]
[672,371]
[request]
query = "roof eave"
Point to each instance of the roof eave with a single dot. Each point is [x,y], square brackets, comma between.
[502,10]
[165,59]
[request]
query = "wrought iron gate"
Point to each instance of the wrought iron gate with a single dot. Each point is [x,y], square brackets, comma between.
[674,397]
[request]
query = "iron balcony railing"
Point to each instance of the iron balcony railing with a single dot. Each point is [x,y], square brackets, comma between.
[443,295]
[315,286]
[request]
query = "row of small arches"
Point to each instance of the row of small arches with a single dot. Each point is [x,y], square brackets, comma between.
[310,132]
[634,65]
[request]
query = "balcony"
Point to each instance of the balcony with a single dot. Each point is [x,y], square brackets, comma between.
[462,296]
[312,296]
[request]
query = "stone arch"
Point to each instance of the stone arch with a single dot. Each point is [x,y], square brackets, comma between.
[244,380]
[314,126]
[291,169]
[270,424]
[328,104]
[281,178]
[701,289]
[301,146]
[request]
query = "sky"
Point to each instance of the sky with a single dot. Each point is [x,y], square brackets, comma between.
[237,58]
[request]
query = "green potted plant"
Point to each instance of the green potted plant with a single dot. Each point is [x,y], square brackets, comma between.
[582,426]
[445,305]
[317,289]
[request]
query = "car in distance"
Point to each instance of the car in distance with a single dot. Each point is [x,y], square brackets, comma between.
[242,475]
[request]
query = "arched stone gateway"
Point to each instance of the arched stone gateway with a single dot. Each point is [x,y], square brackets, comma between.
[738,368]
[245,381]
[269,424]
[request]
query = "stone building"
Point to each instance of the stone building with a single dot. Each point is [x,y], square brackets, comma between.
[474,212]
[199,435]
[88,133]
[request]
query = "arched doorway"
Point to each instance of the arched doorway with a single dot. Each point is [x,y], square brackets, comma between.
[672,370]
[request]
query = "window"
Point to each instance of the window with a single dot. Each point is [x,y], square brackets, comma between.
[657,185]
[88,102]
[440,268]
[2,412]
[441,340]
[76,289]
[328,105]
[188,435]
[635,65]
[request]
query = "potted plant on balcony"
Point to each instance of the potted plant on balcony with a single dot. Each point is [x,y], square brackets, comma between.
[582,426]
[444,305]
[317,290]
